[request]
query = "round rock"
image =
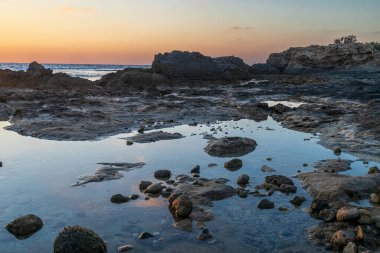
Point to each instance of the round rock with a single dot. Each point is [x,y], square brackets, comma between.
[25,226]
[233,164]
[80,240]
[242,179]
[119,199]
[266,204]
[230,147]
[162,174]
[348,214]
[154,188]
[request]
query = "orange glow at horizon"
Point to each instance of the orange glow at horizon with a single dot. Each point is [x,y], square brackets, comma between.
[132,32]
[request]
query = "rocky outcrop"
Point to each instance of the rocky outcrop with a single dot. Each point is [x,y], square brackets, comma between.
[195,66]
[38,77]
[333,56]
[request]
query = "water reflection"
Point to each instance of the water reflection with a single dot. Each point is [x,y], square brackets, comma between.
[37,174]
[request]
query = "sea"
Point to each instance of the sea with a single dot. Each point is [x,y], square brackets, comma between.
[91,72]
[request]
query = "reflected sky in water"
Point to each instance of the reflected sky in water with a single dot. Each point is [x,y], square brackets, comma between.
[37,174]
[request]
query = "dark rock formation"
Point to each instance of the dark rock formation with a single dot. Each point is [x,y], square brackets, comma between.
[333,56]
[25,226]
[195,66]
[80,240]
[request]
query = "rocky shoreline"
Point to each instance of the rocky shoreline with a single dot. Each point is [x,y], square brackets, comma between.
[337,88]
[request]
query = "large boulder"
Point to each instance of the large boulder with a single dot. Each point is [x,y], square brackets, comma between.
[333,56]
[195,66]
[25,226]
[36,69]
[79,240]
[230,147]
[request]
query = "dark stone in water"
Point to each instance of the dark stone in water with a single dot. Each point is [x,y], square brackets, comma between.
[298,200]
[233,164]
[286,188]
[25,226]
[119,199]
[134,196]
[196,169]
[242,179]
[266,204]
[79,240]
[145,235]
[278,180]
[204,235]
[230,147]
[162,174]
[144,184]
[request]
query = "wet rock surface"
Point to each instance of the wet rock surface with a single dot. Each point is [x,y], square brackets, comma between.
[154,136]
[111,171]
[79,239]
[25,226]
[230,147]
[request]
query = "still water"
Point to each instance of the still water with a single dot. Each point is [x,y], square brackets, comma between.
[37,174]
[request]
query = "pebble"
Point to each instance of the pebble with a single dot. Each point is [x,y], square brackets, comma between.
[266,204]
[375,198]
[145,235]
[125,248]
[204,235]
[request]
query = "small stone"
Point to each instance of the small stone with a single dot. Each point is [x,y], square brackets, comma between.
[374,198]
[298,200]
[242,193]
[145,235]
[327,215]
[79,239]
[305,165]
[347,214]
[196,169]
[141,130]
[125,248]
[204,235]
[1,164]
[340,239]
[154,188]
[129,143]
[266,204]
[337,151]
[144,185]
[119,199]
[25,226]
[283,209]
[269,159]
[267,169]
[162,174]
[211,165]
[134,196]
[242,179]
[233,164]
[350,248]
[318,205]
[286,188]
[365,217]
[373,170]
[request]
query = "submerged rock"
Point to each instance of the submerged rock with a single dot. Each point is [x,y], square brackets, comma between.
[278,180]
[242,179]
[153,137]
[25,226]
[119,199]
[184,225]
[233,164]
[108,172]
[298,200]
[204,235]
[145,235]
[266,204]
[267,169]
[79,240]
[230,147]
[162,174]
[332,165]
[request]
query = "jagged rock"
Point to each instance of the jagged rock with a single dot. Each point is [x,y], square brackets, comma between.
[25,226]
[80,240]
[230,147]
[334,56]
[36,69]
[194,65]
[242,179]
[278,180]
[262,68]
[267,169]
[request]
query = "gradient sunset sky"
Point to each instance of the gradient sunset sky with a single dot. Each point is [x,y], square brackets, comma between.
[132,31]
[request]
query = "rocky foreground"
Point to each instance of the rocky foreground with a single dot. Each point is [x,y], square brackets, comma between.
[337,86]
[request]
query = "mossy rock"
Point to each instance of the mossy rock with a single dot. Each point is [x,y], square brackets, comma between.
[79,240]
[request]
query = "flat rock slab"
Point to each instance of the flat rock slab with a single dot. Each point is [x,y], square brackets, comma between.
[338,188]
[111,171]
[230,147]
[153,137]
[332,165]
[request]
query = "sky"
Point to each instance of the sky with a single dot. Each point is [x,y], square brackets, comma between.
[133,31]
